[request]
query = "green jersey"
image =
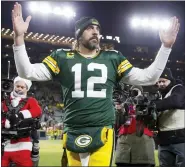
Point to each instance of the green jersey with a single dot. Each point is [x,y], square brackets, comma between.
[87,84]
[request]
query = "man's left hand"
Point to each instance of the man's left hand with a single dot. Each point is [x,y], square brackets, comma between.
[168,36]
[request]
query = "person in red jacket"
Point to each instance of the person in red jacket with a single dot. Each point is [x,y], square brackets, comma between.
[132,150]
[19,150]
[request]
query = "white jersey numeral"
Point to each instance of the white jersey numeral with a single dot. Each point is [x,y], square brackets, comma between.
[77,69]
[78,93]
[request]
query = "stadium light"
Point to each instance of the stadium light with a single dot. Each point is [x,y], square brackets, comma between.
[108,37]
[152,23]
[34,6]
[117,39]
[135,22]
[46,8]
[7,31]
[144,22]
[68,12]
[57,11]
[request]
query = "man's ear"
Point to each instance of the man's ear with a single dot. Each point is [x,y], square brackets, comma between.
[169,82]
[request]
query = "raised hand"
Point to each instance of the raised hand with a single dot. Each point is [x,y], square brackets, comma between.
[19,25]
[168,37]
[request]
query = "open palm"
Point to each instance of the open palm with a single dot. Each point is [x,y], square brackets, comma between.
[168,37]
[19,25]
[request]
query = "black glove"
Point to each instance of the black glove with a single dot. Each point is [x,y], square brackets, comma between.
[15,118]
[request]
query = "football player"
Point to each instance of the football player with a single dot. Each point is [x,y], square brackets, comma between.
[87,76]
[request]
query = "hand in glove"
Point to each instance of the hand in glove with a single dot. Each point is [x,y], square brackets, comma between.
[14,119]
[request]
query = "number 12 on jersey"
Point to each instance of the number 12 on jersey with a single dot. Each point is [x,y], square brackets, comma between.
[78,93]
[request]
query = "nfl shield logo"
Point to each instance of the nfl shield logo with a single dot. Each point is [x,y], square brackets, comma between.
[70,55]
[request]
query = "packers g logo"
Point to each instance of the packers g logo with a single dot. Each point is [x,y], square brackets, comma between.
[94,21]
[83,140]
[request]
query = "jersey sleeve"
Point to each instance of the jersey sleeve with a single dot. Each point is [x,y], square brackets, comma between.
[52,63]
[123,66]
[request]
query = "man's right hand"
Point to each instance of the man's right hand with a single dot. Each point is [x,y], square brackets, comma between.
[19,25]
[15,118]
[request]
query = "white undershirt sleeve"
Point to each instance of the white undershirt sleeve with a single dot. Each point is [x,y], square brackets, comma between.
[150,75]
[34,72]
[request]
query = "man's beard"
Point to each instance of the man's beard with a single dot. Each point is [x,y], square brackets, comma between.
[166,90]
[19,92]
[90,44]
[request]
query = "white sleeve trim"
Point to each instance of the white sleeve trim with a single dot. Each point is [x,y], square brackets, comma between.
[34,72]
[150,75]
[9,147]
[7,124]
[26,114]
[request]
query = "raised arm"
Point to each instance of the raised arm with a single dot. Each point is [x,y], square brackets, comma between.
[34,72]
[150,75]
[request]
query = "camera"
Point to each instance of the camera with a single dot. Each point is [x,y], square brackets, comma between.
[146,112]
[6,88]
[22,129]
[119,93]
[7,85]
[140,104]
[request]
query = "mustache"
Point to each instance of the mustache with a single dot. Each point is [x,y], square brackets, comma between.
[94,37]
[162,88]
[19,92]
